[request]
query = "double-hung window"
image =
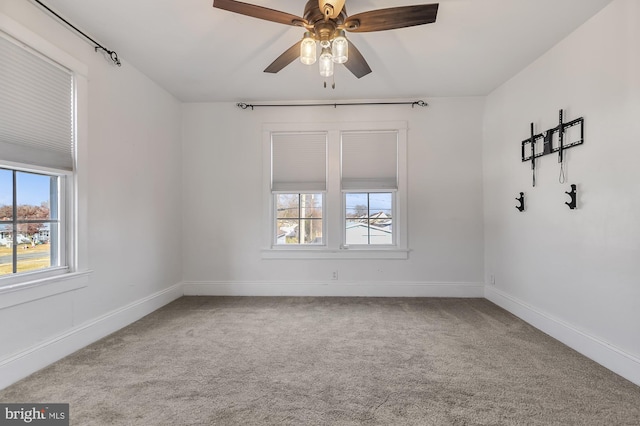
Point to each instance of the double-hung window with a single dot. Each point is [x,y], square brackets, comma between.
[298,184]
[37,111]
[335,190]
[369,182]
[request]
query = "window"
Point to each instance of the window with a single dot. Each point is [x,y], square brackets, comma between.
[31,208]
[369,180]
[37,157]
[335,190]
[298,180]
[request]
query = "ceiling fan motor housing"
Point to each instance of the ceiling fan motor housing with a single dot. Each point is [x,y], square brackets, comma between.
[331,8]
[322,29]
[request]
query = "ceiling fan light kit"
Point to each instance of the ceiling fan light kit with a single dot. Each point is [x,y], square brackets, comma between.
[325,22]
[334,50]
[326,62]
[308,49]
[340,48]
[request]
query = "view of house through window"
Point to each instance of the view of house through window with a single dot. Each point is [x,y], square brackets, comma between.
[29,221]
[369,218]
[299,218]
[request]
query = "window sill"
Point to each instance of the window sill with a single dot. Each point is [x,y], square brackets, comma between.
[325,253]
[28,291]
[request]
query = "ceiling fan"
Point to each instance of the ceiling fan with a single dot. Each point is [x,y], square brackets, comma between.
[325,22]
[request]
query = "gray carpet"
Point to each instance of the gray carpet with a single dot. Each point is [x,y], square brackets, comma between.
[331,361]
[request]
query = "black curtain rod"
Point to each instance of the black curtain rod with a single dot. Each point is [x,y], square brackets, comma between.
[113,55]
[420,103]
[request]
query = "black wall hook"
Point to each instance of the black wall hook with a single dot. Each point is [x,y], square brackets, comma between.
[521,199]
[573,195]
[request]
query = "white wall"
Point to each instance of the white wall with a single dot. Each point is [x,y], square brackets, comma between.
[573,273]
[222,161]
[130,182]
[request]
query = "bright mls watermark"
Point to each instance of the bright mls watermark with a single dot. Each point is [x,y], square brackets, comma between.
[34,414]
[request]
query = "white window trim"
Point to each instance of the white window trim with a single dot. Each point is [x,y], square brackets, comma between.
[333,236]
[31,286]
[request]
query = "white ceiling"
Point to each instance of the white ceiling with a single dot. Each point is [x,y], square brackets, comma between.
[201,54]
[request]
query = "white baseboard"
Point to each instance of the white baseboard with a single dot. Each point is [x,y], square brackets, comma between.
[605,354]
[18,366]
[333,288]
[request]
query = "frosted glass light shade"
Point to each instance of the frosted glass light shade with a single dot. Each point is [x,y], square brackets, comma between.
[308,50]
[340,49]
[326,63]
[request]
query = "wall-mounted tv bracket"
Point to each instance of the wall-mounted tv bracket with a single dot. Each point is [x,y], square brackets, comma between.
[573,194]
[521,200]
[547,139]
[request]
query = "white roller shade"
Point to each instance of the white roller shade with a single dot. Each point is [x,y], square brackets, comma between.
[36,109]
[369,160]
[299,162]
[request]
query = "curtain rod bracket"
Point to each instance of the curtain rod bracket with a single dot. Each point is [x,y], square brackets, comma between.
[112,55]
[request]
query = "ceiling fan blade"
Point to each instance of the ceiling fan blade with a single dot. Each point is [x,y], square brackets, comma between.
[285,59]
[392,18]
[259,12]
[356,63]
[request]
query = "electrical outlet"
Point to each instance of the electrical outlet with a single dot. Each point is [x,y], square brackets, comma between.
[334,275]
[492,279]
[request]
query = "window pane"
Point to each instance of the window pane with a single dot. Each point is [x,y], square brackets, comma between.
[357,206]
[312,231]
[287,232]
[33,198]
[6,195]
[381,204]
[369,218]
[311,205]
[36,252]
[6,259]
[6,214]
[287,205]
[298,218]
